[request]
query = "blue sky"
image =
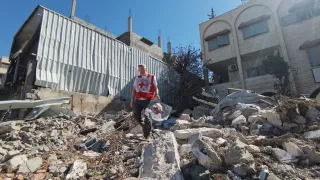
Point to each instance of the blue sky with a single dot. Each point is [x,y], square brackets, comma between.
[177,19]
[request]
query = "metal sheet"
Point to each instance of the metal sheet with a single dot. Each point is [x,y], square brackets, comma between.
[72,57]
[19,104]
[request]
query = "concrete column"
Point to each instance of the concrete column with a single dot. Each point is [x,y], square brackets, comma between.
[283,48]
[160,41]
[130,24]
[239,61]
[169,47]
[73,8]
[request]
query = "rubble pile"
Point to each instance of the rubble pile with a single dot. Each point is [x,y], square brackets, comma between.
[254,137]
[245,136]
[70,148]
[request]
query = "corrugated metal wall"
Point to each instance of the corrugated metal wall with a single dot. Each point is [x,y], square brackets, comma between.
[72,57]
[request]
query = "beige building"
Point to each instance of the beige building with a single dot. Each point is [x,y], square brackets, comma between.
[234,44]
[4,65]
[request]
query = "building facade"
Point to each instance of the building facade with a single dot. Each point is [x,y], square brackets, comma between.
[4,65]
[234,45]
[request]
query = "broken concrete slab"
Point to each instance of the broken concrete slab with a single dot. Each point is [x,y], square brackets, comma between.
[237,155]
[253,149]
[244,169]
[160,159]
[185,117]
[78,170]
[200,111]
[283,156]
[11,154]
[292,148]
[239,120]
[272,117]
[311,153]
[185,149]
[203,159]
[183,123]
[30,165]
[6,127]
[300,120]
[209,132]
[312,134]
[234,115]
[108,127]
[14,162]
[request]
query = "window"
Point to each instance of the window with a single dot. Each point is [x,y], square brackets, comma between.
[218,42]
[255,29]
[289,19]
[252,72]
[314,56]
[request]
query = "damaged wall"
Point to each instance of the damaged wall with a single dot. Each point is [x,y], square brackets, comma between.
[72,57]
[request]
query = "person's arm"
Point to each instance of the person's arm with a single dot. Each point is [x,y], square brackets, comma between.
[156,88]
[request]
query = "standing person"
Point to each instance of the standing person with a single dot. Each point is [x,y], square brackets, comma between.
[145,88]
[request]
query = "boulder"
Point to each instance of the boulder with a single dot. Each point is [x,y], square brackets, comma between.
[272,117]
[6,127]
[78,170]
[209,132]
[283,156]
[14,162]
[185,117]
[312,134]
[239,120]
[313,114]
[31,165]
[292,148]
[300,120]
[160,159]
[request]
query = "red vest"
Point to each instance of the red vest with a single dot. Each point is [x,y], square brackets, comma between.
[145,87]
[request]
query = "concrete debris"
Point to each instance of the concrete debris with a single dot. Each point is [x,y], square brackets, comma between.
[78,170]
[243,138]
[160,159]
[283,156]
[312,134]
[30,165]
[239,120]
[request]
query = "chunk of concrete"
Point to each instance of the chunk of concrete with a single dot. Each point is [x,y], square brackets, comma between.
[203,159]
[239,120]
[209,132]
[238,155]
[11,154]
[31,165]
[263,173]
[272,176]
[108,127]
[272,117]
[14,162]
[183,123]
[253,149]
[313,114]
[312,134]
[200,111]
[6,127]
[283,156]
[78,170]
[185,117]
[221,141]
[300,120]
[185,149]
[160,159]
[311,153]
[234,115]
[292,148]
[244,169]
[255,118]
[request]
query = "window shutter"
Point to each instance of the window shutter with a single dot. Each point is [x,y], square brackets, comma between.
[212,44]
[223,40]
[289,19]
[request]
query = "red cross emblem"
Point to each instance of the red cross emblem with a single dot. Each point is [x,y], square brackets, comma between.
[142,84]
[157,110]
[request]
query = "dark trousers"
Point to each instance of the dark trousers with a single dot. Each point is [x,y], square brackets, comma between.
[139,107]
